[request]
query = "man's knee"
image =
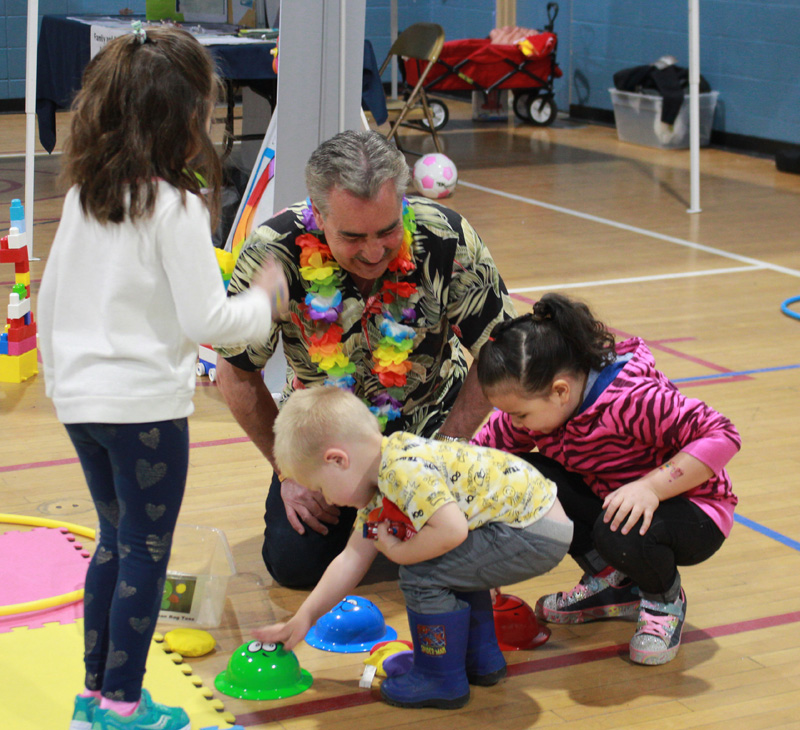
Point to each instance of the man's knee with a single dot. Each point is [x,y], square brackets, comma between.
[295,569]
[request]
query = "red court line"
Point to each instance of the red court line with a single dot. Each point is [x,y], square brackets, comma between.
[74,460]
[314,707]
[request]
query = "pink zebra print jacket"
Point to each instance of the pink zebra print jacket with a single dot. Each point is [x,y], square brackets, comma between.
[637,424]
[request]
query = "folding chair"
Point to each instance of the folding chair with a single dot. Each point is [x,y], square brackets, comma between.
[422,42]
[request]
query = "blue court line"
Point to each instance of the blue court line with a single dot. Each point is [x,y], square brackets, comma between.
[716,376]
[794,544]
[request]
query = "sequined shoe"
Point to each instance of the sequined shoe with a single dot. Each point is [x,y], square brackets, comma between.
[658,632]
[611,596]
[148,714]
[83,714]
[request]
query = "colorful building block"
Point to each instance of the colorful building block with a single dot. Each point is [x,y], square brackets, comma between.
[16,368]
[18,348]
[18,356]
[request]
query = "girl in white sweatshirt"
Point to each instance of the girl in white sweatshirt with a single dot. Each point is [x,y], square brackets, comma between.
[130,288]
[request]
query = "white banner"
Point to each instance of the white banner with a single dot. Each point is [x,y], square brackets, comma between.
[102,34]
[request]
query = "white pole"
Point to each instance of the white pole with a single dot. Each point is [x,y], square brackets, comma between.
[30,117]
[342,61]
[694,106]
[393,32]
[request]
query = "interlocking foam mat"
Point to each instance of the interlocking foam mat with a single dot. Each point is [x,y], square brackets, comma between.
[36,564]
[42,670]
[41,652]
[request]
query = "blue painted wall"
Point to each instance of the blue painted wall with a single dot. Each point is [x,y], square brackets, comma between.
[13,33]
[749,52]
[749,49]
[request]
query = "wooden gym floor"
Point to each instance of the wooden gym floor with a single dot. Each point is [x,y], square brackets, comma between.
[567,208]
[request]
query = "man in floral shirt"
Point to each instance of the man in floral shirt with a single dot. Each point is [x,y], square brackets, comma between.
[385,293]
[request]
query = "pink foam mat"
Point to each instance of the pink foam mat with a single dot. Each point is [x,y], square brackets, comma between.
[40,563]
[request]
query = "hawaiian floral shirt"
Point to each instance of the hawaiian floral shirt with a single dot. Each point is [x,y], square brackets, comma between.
[462,297]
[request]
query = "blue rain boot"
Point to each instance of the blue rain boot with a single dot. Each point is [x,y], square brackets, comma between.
[438,677]
[486,664]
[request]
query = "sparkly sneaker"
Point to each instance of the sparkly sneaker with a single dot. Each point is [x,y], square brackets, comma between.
[658,632]
[611,596]
[148,715]
[83,714]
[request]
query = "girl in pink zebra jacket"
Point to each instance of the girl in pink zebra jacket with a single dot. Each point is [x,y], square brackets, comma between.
[647,488]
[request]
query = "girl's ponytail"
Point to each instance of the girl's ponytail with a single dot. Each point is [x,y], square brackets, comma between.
[559,335]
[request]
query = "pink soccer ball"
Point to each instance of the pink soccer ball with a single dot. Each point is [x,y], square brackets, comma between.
[435,175]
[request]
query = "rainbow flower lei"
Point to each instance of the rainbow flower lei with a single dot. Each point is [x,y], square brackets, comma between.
[395,302]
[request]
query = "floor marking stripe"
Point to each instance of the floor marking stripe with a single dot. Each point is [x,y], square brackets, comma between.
[636,279]
[304,709]
[632,229]
[788,541]
[737,375]
[74,460]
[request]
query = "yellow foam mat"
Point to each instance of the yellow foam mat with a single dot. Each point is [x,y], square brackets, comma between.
[41,671]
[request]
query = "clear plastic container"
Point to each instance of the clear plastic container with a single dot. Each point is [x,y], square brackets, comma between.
[638,119]
[199,568]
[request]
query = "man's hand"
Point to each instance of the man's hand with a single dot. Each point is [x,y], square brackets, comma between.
[304,506]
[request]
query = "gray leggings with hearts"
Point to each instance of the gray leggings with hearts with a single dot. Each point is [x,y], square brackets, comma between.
[136,474]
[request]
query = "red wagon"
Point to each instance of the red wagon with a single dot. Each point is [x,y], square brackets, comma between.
[477,64]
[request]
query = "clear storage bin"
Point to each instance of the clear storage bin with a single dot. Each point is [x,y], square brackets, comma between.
[199,568]
[638,119]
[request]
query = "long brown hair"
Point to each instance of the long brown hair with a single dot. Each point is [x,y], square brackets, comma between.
[141,112]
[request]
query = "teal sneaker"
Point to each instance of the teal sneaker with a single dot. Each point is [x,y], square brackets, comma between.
[148,716]
[83,714]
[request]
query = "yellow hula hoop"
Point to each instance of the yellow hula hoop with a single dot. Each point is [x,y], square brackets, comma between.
[43,603]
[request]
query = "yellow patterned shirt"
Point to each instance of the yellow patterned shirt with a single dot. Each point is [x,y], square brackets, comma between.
[420,475]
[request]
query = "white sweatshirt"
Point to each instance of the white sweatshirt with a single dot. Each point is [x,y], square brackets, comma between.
[122,308]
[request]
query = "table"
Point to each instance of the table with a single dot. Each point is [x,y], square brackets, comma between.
[63,53]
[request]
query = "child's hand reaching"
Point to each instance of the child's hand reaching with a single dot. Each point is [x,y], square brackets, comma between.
[633,501]
[272,281]
[290,634]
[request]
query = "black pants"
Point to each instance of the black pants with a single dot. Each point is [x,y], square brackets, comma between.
[295,560]
[679,534]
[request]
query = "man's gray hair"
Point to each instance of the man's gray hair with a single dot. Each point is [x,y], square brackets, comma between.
[357,162]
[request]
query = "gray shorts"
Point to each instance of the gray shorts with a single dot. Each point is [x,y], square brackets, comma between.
[493,555]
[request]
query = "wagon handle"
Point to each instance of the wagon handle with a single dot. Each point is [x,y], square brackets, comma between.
[552,14]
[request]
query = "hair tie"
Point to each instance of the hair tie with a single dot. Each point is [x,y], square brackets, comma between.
[542,311]
[138,31]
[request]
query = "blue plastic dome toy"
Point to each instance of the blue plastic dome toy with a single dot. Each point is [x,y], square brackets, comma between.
[354,625]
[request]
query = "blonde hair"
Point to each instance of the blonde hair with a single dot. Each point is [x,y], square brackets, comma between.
[314,419]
